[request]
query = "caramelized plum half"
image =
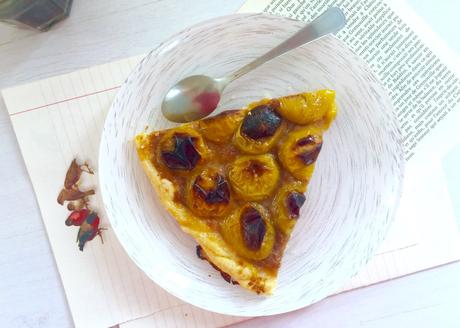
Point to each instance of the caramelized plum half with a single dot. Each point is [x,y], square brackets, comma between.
[311,152]
[299,152]
[182,149]
[286,206]
[294,202]
[208,193]
[184,156]
[250,232]
[219,194]
[306,108]
[260,129]
[253,228]
[261,122]
[254,177]
[222,127]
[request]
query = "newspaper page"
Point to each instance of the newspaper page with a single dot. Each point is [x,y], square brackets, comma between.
[421,75]
[423,88]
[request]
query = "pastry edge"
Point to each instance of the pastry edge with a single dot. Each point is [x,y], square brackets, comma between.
[245,273]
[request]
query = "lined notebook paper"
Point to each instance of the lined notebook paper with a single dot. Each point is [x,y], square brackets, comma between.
[55,120]
[61,117]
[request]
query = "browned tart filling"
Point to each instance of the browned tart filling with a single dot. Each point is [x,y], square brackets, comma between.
[236,181]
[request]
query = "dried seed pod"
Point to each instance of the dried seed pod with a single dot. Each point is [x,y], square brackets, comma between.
[74,173]
[89,228]
[73,194]
[76,218]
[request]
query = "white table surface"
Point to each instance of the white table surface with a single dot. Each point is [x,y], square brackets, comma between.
[31,293]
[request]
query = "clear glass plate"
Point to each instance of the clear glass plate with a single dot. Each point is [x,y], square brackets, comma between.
[352,196]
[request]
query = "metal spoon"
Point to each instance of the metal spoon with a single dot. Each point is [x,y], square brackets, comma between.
[197,96]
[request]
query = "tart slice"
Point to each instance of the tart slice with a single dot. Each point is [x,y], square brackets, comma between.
[236,181]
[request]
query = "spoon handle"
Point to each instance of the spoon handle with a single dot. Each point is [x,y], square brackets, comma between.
[331,21]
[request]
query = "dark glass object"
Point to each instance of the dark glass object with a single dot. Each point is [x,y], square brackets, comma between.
[38,14]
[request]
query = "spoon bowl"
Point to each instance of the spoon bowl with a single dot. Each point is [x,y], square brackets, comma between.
[198,94]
